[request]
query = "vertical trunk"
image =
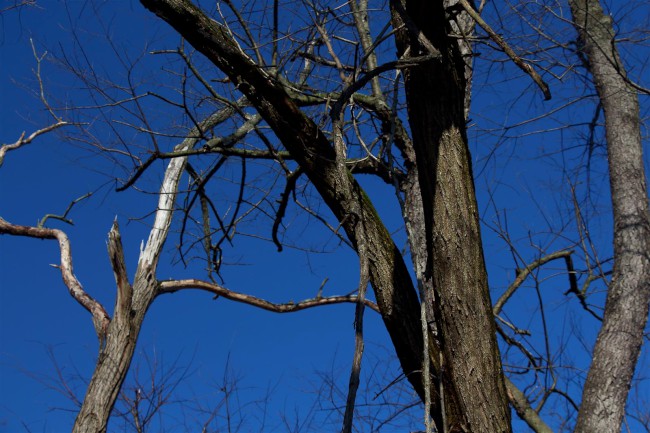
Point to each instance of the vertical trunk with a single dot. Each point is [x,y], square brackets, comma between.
[113,364]
[626,310]
[474,390]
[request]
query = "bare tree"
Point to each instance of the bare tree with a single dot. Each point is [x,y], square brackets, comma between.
[325,104]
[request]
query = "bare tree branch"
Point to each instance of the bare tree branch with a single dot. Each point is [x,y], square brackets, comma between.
[26,140]
[63,217]
[522,274]
[506,48]
[289,307]
[100,317]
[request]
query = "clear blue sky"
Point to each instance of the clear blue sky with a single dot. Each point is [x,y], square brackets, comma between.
[521,178]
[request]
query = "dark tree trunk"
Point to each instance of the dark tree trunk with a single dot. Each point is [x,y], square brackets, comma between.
[472,377]
[626,310]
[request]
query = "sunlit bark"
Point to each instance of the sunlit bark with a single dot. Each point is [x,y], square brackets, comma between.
[626,310]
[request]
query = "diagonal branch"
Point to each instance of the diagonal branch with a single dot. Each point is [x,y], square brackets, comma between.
[506,48]
[26,140]
[522,274]
[521,405]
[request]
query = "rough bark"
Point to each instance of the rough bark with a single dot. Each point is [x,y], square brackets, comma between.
[619,341]
[474,390]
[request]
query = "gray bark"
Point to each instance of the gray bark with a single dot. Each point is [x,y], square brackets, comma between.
[619,341]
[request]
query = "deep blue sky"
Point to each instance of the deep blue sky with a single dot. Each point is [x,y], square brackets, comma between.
[525,179]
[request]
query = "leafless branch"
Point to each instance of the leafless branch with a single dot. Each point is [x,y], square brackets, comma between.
[523,274]
[63,217]
[289,188]
[100,317]
[527,68]
[22,140]
[289,307]
[355,370]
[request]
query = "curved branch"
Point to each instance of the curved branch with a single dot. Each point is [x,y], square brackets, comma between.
[288,307]
[522,274]
[101,319]
[354,87]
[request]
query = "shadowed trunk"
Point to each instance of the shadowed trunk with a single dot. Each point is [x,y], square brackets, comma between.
[474,390]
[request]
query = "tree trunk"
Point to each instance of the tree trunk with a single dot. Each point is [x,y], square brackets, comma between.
[113,363]
[472,377]
[626,309]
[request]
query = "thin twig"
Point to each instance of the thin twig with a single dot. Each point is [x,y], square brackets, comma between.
[63,217]
[527,68]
